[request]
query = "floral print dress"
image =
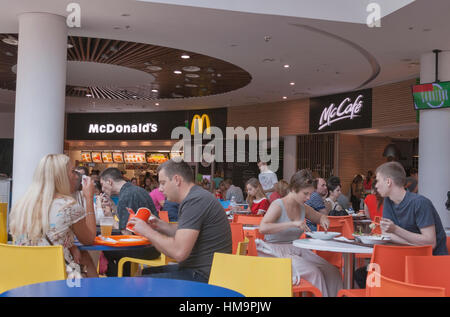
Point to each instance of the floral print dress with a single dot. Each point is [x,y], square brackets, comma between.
[64,212]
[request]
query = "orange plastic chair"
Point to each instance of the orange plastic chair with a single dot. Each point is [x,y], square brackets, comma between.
[429,270]
[448,245]
[346,221]
[247,220]
[251,247]
[164,215]
[237,235]
[391,260]
[394,288]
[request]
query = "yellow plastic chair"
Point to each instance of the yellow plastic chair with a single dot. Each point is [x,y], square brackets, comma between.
[135,263]
[252,276]
[242,247]
[24,265]
[3,230]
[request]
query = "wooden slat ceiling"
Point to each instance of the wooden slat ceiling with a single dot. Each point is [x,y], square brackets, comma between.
[214,77]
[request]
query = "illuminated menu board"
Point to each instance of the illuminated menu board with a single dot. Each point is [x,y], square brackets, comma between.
[86,157]
[118,157]
[107,157]
[156,158]
[132,157]
[97,157]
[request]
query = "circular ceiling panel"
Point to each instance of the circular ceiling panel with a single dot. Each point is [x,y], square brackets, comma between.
[144,66]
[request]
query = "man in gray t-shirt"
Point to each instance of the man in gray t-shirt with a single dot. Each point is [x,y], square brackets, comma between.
[202,228]
[233,191]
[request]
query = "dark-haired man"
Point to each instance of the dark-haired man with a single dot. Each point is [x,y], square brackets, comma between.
[317,200]
[133,197]
[202,228]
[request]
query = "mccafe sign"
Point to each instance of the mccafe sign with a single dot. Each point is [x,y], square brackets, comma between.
[345,111]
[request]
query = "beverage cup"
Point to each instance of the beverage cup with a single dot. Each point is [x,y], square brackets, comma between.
[143,214]
[106,225]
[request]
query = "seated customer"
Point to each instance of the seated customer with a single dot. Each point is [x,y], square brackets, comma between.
[334,191]
[408,218]
[133,197]
[281,189]
[232,190]
[256,198]
[373,203]
[47,214]
[202,228]
[284,222]
[317,200]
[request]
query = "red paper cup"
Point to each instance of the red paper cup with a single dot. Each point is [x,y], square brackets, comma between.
[143,213]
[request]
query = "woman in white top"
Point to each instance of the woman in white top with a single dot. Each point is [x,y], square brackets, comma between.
[284,222]
[48,215]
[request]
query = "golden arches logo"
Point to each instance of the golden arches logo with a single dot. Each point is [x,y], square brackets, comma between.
[197,121]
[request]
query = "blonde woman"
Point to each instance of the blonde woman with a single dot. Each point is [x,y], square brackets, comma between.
[281,189]
[284,222]
[48,215]
[256,199]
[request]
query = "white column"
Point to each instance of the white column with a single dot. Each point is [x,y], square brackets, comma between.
[290,157]
[40,94]
[434,140]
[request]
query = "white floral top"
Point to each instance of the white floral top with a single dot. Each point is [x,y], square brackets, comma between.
[64,212]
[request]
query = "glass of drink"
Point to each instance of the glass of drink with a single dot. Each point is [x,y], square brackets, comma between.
[106,224]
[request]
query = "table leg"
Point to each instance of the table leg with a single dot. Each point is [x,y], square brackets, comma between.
[347,270]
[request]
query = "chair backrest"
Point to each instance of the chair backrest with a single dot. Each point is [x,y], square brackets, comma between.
[163,215]
[242,247]
[252,276]
[429,270]
[346,221]
[394,288]
[332,228]
[3,220]
[247,220]
[391,259]
[24,265]
[237,235]
[448,245]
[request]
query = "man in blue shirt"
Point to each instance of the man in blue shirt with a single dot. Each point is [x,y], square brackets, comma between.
[316,201]
[408,218]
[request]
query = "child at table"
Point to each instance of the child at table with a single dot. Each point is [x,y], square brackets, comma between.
[256,199]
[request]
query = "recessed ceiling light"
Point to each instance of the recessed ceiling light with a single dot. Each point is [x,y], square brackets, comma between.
[154,68]
[157,104]
[219,75]
[284,97]
[88,95]
[177,72]
[286,66]
[154,90]
[292,83]
[185,56]
[191,68]
[10,40]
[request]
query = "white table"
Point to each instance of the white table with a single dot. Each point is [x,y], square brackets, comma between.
[348,251]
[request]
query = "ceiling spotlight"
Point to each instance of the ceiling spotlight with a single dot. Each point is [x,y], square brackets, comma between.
[185,56]
[284,97]
[177,72]
[88,95]
[154,90]
[286,66]
[157,104]
[10,40]
[292,83]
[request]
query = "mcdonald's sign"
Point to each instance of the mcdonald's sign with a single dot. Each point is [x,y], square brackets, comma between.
[197,121]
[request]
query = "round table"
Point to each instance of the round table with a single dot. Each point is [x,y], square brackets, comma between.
[348,250]
[121,287]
